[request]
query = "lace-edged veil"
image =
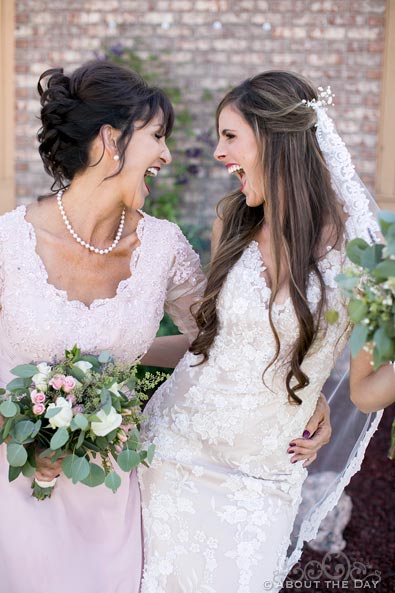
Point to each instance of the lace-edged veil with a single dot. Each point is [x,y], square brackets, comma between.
[351,429]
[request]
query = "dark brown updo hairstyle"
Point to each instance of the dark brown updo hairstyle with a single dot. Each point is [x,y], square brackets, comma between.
[75,107]
[303,206]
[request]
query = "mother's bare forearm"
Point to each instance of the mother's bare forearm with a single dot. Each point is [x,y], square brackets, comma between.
[166,351]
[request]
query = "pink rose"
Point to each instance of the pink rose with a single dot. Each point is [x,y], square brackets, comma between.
[37,397]
[78,409]
[57,382]
[72,399]
[38,409]
[68,384]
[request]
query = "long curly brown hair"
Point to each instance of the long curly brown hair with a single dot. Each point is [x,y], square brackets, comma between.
[302,203]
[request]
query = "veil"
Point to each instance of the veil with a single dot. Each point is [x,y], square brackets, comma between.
[351,429]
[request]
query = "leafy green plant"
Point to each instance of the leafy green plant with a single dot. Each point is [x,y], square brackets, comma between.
[370,286]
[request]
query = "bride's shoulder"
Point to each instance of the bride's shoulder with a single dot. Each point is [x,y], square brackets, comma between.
[167,230]
[11,221]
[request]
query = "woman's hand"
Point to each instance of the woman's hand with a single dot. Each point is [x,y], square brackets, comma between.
[46,471]
[316,434]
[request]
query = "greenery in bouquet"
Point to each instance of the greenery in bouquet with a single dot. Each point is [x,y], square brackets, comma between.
[370,286]
[78,409]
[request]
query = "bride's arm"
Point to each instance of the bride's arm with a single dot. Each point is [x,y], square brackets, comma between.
[166,351]
[371,390]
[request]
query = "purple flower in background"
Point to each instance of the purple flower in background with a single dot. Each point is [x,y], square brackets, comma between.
[117,49]
[193,153]
[193,169]
[207,138]
[181,180]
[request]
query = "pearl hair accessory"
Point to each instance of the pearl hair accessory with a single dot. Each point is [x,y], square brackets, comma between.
[325,98]
[116,157]
[84,243]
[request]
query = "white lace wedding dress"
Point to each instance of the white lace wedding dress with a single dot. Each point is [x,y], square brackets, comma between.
[220,500]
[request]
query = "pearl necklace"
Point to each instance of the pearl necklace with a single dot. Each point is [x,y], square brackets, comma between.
[78,238]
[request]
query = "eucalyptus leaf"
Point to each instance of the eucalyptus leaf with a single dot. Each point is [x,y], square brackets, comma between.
[60,438]
[104,357]
[51,412]
[358,338]
[134,440]
[14,472]
[28,470]
[31,455]
[385,269]
[36,429]
[128,460]
[81,438]
[25,370]
[91,446]
[23,430]
[383,344]
[8,409]
[80,470]
[113,481]
[77,374]
[93,360]
[347,283]
[6,428]
[355,249]
[386,219]
[357,310]
[18,384]
[95,477]
[16,454]
[76,468]
[101,442]
[81,421]
[372,256]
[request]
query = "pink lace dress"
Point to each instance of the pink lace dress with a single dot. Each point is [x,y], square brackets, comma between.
[82,540]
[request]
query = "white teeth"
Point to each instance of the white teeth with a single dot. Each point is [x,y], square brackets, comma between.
[152,172]
[234,168]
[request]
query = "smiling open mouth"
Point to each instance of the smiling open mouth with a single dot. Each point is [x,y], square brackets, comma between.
[151,172]
[239,171]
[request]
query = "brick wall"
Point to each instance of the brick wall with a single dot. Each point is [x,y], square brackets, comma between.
[208,44]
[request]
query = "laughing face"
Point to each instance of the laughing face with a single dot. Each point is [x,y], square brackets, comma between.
[238,149]
[145,154]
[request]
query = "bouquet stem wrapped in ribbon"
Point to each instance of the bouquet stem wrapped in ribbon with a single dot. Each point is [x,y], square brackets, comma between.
[81,409]
[370,285]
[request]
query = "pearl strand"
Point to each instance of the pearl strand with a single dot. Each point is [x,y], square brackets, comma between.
[78,238]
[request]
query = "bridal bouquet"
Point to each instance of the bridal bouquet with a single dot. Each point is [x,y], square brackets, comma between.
[76,409]
[370,285]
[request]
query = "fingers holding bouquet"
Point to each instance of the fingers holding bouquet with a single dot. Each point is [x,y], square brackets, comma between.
[63,417]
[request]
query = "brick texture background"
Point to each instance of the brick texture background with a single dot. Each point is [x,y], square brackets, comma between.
[208,44]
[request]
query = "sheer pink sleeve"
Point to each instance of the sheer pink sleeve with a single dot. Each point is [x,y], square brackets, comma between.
[185,286]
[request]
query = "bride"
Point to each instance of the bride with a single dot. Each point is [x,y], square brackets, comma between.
[220,501]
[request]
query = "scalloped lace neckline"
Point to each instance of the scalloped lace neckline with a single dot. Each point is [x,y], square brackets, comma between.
[59,292]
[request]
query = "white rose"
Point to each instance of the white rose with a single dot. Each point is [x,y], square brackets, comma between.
[64,416]
[40,379]
[83,365]
[108,422]
[44,368]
